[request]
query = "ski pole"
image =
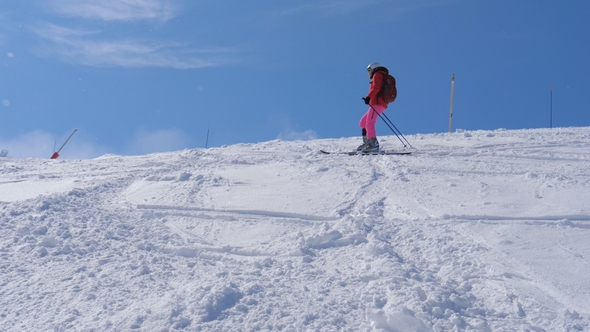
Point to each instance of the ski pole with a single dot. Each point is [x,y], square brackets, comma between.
[392,129]
[388,122]
[402,135]
[388,125]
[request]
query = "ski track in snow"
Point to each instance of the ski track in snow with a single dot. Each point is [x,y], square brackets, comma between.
[475,231]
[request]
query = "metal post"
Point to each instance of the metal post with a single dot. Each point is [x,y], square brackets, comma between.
[551,105]
[207,140]
[452,99]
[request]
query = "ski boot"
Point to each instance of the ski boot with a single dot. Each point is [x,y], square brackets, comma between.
[372,146]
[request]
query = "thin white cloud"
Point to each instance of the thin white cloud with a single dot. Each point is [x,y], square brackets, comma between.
[41,144]
[292,135]
[85,47]
[332,7]
[162,140]
[343,7]
[116,10]
[35,144]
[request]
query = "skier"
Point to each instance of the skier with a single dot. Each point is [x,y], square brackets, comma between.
[377,105]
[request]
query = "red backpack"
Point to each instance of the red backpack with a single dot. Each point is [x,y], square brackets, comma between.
[389,90]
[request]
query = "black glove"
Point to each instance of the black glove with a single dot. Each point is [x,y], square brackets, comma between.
[367,100]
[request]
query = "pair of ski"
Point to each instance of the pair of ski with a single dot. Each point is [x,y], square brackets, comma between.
[360,153]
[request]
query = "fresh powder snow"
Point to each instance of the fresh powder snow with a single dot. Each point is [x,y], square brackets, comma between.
[474,231]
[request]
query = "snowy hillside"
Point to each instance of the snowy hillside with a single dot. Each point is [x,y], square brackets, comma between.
[475,231]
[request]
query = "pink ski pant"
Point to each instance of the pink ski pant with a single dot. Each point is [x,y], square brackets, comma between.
[370,118]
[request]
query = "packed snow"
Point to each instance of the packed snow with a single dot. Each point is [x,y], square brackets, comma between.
[474,231]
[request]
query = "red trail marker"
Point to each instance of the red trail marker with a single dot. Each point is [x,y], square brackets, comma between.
[56,154]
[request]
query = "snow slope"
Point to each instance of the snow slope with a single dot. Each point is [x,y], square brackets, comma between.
[475,231]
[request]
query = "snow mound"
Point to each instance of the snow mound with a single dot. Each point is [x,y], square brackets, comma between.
[474,231]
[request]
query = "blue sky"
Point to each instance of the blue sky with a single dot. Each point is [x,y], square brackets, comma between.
[141,76]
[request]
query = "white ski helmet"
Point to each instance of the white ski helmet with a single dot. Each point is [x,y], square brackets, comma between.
[373,65]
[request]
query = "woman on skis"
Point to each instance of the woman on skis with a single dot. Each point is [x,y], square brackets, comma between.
[377,105]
